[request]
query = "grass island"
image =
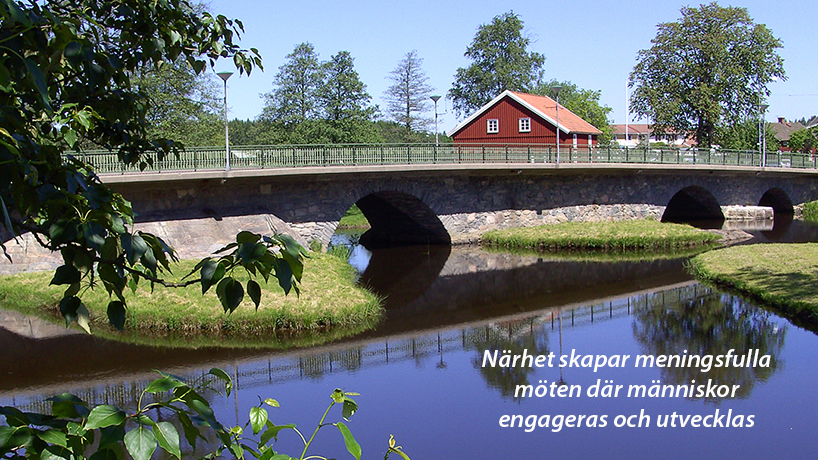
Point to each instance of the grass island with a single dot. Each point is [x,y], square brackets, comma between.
[618,235]
[329,302]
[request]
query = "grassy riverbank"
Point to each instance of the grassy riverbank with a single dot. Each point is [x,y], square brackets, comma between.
[780,275]
[329,297]
[354,218]
[628,235]
[810,211]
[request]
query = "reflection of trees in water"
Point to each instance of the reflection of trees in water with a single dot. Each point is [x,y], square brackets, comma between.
[512,336]
[711,325]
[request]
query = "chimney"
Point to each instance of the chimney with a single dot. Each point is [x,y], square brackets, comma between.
[782,120]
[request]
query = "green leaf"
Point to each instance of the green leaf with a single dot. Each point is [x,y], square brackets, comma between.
[221,374]
[69,307]
[55,452]
[273,430]
[352,445]
[271,402]
[163,384]
[134,246]
[245,237]
[84,318]
[254,291]
[230,293]
[66,274]
[350,407]
[258,418]
[168,438]
[191,432]
[14,416]
[140,442]
[12,437]
[54,437]
[117,314]
[103,416]
[67,405]
[212,272]
[115,452]
[39,81]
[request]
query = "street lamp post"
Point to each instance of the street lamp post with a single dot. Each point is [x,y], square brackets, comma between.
[762,138]
[557,89]
[224,76]
[435,98]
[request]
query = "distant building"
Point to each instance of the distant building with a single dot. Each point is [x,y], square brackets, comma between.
[783,130]
[520,118]
[633,134]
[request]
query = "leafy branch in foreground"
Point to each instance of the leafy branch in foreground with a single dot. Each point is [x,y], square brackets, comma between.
[65,83]
[76,430]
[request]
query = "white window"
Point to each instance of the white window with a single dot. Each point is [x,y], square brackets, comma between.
[492,126]
[575,141]
[525,125]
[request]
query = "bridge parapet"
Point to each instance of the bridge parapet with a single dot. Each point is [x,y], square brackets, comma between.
[298,156]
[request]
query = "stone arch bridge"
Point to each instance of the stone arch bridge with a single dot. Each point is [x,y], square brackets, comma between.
[443,203]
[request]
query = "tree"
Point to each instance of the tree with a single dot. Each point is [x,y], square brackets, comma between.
[408,97]
[298,80]
[583,102]
[501,62]
[345,102]
[803,140]
[66,73]
[744,136]
[184,106]
[709,68]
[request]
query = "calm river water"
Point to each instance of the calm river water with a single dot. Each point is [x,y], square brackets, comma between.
[426,375]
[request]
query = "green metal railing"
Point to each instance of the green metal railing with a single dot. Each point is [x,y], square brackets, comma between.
[295,156]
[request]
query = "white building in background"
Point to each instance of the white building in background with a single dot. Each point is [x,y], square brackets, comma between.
[631,135]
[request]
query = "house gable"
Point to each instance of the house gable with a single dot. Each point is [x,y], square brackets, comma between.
[523,118]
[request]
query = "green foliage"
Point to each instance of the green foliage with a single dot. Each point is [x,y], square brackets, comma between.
[583,103]
[74,429]
[744,136]
[294,99]
[67,77]
[407,99]
[500,61]
[708,69]
[184,106]
[804,140]
[811,211]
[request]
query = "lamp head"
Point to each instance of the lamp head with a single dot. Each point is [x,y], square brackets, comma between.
[224,75]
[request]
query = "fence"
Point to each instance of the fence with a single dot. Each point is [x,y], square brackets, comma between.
[294,156]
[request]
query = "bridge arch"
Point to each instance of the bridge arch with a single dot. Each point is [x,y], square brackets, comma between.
[778,200]
[692,204]
[400,219]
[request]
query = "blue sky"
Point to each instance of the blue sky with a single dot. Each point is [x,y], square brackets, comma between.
[590,43]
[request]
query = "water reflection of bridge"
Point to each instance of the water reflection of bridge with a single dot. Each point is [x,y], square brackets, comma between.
[421,347]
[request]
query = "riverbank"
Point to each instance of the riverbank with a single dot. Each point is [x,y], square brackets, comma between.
[354,218]
[330,302]
[620,235]
[779,275]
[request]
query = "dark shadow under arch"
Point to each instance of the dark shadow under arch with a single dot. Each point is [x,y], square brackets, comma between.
[778,200]
[694,205]
[400,219]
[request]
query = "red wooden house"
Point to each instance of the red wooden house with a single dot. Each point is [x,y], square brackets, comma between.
[520,118]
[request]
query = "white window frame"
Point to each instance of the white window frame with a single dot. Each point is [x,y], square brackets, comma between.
[492,126]
[524,125]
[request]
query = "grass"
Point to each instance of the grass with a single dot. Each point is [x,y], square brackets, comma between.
[811,211]
[621,235]
[781,276]
[354,218]
[329,302]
